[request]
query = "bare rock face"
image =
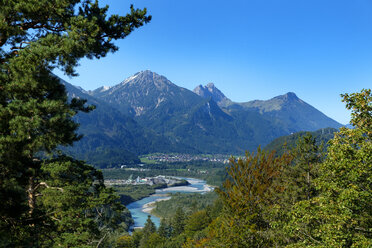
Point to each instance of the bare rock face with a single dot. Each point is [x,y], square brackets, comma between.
[144,92]
[210,90]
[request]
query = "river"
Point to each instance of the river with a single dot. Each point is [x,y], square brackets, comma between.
[138,208]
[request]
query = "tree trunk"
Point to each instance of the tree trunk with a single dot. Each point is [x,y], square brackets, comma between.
[31,195]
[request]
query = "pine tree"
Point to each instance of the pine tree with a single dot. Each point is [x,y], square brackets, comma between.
[149,226]
[299,177]
[164,229]
[178,222]
[307,156]
[36,37]
[147,231]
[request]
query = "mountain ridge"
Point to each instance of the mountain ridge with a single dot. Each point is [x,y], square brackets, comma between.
[203,120]
[113,136]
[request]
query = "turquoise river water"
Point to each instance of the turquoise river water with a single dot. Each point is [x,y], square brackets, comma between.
[136,208]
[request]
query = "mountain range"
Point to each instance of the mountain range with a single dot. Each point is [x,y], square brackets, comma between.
[147,113]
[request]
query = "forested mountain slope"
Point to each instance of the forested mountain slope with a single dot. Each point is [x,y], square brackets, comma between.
[322,136]
[111,138]
[148,113]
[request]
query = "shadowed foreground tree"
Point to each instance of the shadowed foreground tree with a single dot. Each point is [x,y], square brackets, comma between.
[37,191]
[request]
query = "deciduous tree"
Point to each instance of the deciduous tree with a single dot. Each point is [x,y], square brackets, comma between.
[341,216]
[248,195]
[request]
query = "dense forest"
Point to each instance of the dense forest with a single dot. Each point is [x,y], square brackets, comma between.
[304,197]
[283,143]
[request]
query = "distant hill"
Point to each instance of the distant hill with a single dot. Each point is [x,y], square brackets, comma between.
[321,136]
[148,113]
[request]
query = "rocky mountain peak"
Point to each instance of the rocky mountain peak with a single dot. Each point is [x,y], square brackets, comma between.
[199,90]
[290,96]
[99,90]
[148,113]
[210,90]
[211,86]
[146,75]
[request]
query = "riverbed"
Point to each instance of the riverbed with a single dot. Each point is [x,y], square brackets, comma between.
[142,208]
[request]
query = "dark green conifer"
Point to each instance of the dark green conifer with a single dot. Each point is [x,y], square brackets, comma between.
[178,222]
[147,231]
[37,36]
[164,229]
[149,226]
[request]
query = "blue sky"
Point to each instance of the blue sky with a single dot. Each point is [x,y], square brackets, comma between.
[248,49]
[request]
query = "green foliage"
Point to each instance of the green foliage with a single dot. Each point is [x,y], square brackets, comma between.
[341,216]
[108,158]
[154,241]
[307,157]
[181,228]
[298,180]
[164,229]
[247,196]
[125,241]
[137,236]
[40,194]
[188,202]
[361,106]
[196,223]
[78,204]
[149,230]
[149,227]
[299,199]
[178,222]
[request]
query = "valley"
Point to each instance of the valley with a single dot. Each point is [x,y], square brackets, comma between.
[144,189]
[222,144]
